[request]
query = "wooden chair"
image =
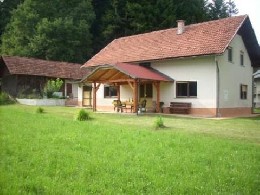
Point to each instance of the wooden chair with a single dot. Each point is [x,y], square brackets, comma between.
[118,106]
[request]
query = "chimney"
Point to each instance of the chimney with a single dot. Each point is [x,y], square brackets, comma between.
[180,27]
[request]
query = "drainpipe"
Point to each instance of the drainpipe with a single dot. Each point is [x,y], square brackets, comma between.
[218,88]
[253,94]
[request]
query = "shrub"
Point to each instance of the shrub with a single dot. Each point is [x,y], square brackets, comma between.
[159,122]
[5,99]
[83,115]
[39,110]
[52,86]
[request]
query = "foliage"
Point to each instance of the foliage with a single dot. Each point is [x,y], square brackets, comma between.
[52,86]
[39,110]
[159,122]
[83,115]
[5,99]
[221,9]
[51,29]
[5,12]
[74,31]
[119,154]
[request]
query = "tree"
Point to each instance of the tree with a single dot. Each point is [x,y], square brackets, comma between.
[127,17]
[231,8]
[50,29]
[6,7]
[220,9]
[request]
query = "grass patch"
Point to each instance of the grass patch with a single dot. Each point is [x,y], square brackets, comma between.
[121,154]
[83,115]
[257,110]
[39,110]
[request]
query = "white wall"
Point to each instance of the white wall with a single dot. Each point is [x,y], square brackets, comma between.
[200,69]
[232,75]
[257,93]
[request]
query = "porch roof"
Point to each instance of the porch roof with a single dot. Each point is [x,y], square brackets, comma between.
[124,72]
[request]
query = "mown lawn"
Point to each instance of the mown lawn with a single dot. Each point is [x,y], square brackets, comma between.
[51,153]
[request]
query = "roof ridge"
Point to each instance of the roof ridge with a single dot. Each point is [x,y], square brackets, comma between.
[175,28]
[32,58]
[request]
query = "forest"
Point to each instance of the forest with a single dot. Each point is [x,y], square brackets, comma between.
[75,30]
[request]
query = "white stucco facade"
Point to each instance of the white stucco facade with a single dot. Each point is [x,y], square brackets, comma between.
[218,82]
[233,75]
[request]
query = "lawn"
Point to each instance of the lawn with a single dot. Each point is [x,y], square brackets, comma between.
[52,153]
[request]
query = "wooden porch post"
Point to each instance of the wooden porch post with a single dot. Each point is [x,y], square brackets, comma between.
[95,89]
[157,86]
[135,96]
[118,92]
[95,97]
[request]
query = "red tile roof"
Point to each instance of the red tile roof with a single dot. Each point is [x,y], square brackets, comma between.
[136,71]
[121,72]
[205,38]
[54,69]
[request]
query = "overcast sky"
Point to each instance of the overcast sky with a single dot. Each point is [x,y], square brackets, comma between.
[252,8]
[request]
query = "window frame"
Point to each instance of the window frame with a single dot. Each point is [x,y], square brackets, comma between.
[188,89]
[243,94]
[110,87]
[143,90]
[241,58]
[230,54]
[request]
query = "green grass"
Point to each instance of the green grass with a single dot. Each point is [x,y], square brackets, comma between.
[52,153]
[257,110]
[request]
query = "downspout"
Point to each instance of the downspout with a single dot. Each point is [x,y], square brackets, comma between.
[253,94]
[218,88]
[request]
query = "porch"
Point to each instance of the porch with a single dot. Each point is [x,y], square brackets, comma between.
[124,78]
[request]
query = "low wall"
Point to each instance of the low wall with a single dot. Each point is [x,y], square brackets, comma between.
[42,102]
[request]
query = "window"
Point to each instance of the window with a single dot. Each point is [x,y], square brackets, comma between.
[243,92]
[186,89]
[145,64]
[230,54]
[241,58]
[110,91]
[146,90]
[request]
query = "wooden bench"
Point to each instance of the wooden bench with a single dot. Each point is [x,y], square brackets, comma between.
[180,107]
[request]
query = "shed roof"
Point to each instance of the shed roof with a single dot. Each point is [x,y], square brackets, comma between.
[207,38]
[123,72]
[54,69]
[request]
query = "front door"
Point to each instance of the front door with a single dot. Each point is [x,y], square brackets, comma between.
[87,95]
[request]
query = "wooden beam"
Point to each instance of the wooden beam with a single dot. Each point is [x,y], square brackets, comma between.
[131,85]
[94,97]
[135,96]
[157,86]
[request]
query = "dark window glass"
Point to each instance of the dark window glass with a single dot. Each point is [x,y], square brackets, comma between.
[230,54]
[149,90]
[241,58]
[182,89]
[186,89]
[110,91]
[193,89]
[141,90]
[146,90]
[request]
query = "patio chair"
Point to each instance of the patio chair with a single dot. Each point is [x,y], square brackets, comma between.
[118,106]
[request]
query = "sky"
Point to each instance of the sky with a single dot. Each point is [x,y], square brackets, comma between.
[251,8]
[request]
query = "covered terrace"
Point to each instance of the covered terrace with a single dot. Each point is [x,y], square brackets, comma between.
[126,74]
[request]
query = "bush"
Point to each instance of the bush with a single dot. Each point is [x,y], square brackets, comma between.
[159,122]
[5,99]
[83,115]
[39,110]
[52,86]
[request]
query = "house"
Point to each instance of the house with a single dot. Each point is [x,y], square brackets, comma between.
[23,77]
[209,65]
[257,89]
